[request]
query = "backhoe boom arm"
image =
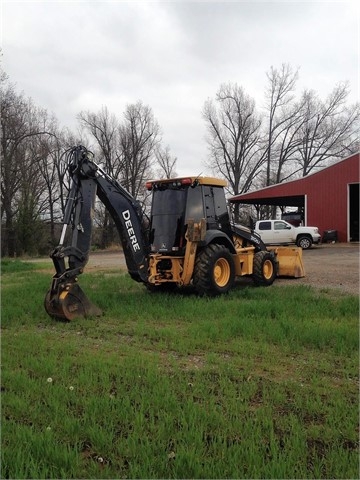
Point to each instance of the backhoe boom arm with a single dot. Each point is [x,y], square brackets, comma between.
[65,299]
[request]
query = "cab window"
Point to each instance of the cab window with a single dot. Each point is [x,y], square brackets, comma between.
[280,226]
[265,226]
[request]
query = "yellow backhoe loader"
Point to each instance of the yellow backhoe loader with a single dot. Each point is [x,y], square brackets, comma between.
[189,238]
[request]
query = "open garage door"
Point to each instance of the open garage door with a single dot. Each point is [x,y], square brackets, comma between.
[354,200]
[283,202]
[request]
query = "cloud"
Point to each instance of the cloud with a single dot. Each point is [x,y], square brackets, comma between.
[72,56]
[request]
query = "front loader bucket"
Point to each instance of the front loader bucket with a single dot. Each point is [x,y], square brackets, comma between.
[69,302]
[290,263]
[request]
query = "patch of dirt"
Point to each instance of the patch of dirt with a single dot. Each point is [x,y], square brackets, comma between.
[331,266]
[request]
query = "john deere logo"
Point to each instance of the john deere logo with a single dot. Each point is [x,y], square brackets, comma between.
[130,231]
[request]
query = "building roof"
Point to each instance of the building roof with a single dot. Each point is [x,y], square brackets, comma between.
[291,193]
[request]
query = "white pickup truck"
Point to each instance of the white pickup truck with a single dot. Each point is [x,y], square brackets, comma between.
[279,232]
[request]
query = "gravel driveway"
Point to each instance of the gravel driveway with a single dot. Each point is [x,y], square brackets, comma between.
[334,266]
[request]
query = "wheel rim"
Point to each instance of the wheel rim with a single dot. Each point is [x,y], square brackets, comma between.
[221,272]
[305,243]
[268,269]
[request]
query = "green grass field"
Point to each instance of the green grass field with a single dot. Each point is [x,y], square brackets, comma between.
[261,383]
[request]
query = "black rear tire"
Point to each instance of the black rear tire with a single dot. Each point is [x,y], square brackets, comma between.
[264,269]
[214,271]
[304,242]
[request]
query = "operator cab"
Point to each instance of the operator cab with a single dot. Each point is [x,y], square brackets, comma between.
[175,201]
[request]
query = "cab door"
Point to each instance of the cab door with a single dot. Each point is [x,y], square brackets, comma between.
[265,231]
[282,232]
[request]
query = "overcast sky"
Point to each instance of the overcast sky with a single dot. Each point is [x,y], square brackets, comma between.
[72,55]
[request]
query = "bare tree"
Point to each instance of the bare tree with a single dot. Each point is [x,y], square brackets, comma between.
[280,117]
[126,148]
[284,151]
[329,130]
[13,129]
[49,153]
[139,138]
[30,199]
[234,137]
[165,161]
[103,126]
[21,121]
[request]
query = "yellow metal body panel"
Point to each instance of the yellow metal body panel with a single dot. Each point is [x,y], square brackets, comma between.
[181,269]
[173,274]
[290,261]
[244,259]
[195,233]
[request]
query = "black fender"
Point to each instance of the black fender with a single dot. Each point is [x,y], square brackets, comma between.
[216,236]
[250,236]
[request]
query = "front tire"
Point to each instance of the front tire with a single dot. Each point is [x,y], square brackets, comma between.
[264,269]
[214,271]
[304,242]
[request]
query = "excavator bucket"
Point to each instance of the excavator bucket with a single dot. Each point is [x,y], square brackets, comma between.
[290,261]
[69,302]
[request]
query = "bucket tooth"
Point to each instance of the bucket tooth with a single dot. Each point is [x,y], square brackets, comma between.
[70,302]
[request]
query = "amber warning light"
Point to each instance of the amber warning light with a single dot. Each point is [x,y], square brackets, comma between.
[178,182]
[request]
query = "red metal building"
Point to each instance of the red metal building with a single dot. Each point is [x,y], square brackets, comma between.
[328,198]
